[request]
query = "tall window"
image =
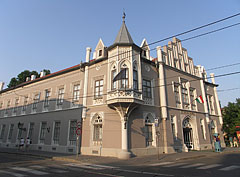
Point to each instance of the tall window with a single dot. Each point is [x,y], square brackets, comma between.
[176,93]
[173,126]
[1,105]
[202,128]
[135,80]
[56,134]
[76,93]
[60,96]
[184,93]
[72,132]
[46,100]
[98,88]
[36,99]
[7,111]
[192,98]
[97,132]
[148,131]
[211,104]
[20,130]
[2,131]
[16,105]
[147,90]
[25,102]
[30,131]
[124,81]
[10,132]
[43,132]
[100,53]
[114,84]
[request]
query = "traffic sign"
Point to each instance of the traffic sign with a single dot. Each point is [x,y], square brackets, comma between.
[78,131]
[79,124]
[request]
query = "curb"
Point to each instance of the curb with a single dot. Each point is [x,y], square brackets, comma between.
[65,159]
[29,154]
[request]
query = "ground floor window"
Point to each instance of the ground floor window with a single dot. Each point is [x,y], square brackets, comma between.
[43,132]
[72,132]
[56,134]
[97,128]
[10,132]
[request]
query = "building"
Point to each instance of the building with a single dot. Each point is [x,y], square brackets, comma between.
[149,108]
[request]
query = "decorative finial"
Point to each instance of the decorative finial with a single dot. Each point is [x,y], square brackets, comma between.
[124,15]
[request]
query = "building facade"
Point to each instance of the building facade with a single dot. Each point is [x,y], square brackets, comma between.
[150,109]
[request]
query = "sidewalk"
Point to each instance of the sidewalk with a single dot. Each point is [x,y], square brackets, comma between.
[151,159]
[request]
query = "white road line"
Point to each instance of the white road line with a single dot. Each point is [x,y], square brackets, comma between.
[232,167]
[12,173]
[36,172]
[192,165]
[161,163]
[144,172]
[175,165]
[37,166]
[58,171]
[209,166]
[84,166]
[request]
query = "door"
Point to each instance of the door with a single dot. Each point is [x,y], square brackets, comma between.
[187,134]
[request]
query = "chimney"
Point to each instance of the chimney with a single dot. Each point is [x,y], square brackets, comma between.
[1,86]
[88,53]
[33,77]
[42,73]
[28,79]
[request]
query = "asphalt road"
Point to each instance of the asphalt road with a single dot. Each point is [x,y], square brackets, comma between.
[221,165]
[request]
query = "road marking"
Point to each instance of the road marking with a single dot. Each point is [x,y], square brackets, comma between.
[87,166]
[232,167]
[12,173]
[209,166]
[58,171]
[175,165]
[37,166]
[192,165]
[161,163]
[144,172]
[36,172]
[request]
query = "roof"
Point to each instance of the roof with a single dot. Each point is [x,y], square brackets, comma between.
[123,36]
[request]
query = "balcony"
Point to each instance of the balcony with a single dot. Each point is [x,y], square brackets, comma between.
[124,96]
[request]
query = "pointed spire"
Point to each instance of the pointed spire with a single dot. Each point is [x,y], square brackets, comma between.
[123,36]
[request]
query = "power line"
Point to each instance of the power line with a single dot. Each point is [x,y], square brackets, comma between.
[237,88]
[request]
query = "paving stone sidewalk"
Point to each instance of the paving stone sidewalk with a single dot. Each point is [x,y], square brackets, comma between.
[141,160]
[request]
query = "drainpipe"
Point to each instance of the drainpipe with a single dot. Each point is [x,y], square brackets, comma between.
[163,98]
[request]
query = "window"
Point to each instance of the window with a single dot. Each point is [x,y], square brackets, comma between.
[46,100]
[114,84]
[184,93]
[2,131]
[192,98]
[20,130]
[97,132]
[202,128]
[16,105]
[148,131]
[147,91]
[72,132]
[30,131]
[35,101]
[56,134]
[43,132]
[144,53]
[25,102]
[7,111]
[174,126]
[176,93]
[1,105]
[135,80]
[76,93]
[211,104]
[98,88]
[124,80]
[100,53]
[60,96]
[10,132]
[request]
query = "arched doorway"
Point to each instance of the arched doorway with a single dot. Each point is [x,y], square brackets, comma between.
[187,133]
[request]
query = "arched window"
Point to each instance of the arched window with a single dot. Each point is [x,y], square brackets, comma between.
[124,83]
[148,130]
[97,128]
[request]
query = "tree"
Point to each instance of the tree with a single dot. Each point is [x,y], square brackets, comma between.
[21,77]
[231,117]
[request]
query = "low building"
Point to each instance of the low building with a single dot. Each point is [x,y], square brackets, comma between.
[120,102]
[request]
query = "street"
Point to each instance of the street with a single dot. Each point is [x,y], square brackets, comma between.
[221,165]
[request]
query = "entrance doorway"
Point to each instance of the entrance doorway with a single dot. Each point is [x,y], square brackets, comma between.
[187,134]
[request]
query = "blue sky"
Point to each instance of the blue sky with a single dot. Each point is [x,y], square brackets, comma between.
[54,34]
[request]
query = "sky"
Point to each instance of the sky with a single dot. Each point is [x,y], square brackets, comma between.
[54,34]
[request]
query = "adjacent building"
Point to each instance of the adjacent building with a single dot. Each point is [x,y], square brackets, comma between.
[150,107]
